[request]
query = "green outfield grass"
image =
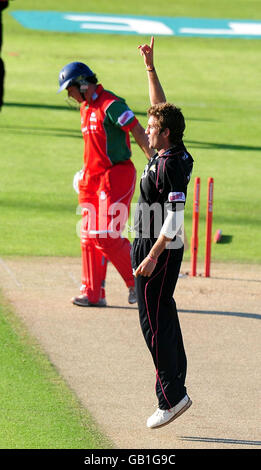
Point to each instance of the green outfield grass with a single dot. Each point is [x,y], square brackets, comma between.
[215,81]
[38,411]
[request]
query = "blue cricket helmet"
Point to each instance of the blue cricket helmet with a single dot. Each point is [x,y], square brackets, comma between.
[74,72]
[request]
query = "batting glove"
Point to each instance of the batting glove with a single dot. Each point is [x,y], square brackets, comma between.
[77,177]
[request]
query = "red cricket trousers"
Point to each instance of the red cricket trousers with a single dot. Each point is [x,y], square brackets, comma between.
[105,210]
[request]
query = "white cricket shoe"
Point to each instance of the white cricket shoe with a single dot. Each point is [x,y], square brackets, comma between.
[162,417]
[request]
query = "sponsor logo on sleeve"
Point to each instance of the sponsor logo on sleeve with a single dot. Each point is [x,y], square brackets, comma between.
[125,117]
[176,197]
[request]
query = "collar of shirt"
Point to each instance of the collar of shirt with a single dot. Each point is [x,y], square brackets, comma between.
[169,151]
[95,95]
[172,150]
[97,92]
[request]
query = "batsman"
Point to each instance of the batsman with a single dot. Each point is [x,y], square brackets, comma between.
[106,183]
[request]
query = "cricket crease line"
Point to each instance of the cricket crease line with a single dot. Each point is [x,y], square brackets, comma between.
[10,272]
[73,278]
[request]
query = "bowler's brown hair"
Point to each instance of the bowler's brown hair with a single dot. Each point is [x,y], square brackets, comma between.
[171,117]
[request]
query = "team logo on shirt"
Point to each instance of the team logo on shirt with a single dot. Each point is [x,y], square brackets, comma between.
[93,122]
[145,171]
[176,197]
[91,125]
[93,117]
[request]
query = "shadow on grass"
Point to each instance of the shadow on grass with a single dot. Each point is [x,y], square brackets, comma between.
[54,107]
[225,239]
[75,108]
[40,106]
[40,205]
[217,146]
[71,133]
[255,316]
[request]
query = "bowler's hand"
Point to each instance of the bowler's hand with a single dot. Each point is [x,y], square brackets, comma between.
[145,268]
[147,53]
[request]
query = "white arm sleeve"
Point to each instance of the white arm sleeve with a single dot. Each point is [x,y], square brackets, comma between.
[172,223]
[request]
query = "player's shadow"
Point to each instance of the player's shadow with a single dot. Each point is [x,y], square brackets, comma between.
[41,205]
[255,316]
[191,143]
[122,307]
[75,108]
[218,146]
[34,130]
[220,440]
[40,106]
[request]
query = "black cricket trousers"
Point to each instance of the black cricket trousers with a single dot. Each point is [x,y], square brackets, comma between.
[159,321]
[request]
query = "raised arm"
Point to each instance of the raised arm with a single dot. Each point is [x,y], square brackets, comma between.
[156,92]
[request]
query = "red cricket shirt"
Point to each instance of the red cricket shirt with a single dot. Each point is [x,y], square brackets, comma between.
[105,125]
